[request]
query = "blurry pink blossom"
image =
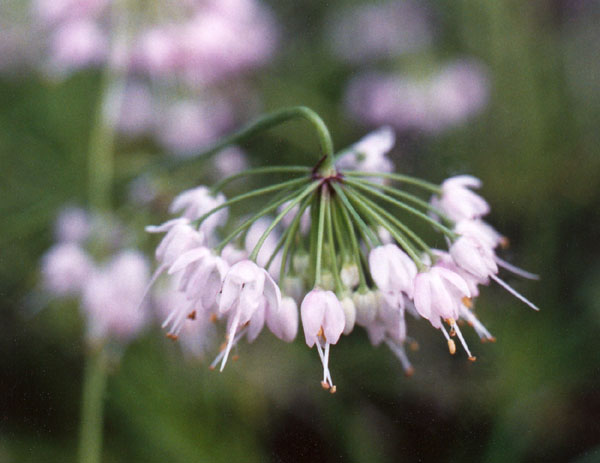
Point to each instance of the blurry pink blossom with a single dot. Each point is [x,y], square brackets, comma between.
[111,297]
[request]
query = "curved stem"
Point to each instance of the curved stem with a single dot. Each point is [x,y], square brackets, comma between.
[291,235]
[406,207]
[258,171]
[410,250]
[94,383]
[398,177]
[269,121]
[409,197]
[405,229]
[309,189]
[251,194]
[271,207]
[363,227]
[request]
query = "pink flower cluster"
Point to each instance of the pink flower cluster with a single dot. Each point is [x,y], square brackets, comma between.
[376,285]
[109,292]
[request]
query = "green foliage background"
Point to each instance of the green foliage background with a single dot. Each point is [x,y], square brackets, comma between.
[532,396]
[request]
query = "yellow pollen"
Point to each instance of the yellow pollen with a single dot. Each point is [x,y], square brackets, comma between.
[467,302]
[472,359]
[451,347]
[324,385]
[492,339]
[172,337]
[333,389]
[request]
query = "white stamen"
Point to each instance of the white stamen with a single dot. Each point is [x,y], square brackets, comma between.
[462,340]
[222,353]
[479,328]
[516,270]
[232,330]
[514,292]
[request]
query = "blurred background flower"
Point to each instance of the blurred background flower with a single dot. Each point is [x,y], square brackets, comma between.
[505,90]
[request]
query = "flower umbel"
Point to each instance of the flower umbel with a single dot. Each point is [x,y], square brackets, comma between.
[338,240]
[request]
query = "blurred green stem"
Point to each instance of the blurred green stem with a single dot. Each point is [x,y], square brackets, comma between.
[94,384]
[274,119]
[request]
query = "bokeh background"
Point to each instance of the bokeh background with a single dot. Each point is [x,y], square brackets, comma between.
[506,90]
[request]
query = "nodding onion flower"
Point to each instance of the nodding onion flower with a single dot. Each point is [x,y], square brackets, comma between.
[344,246]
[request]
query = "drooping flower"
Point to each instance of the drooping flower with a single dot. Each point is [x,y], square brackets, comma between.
[457,200]
[246,288]
[323,322]
[438,294]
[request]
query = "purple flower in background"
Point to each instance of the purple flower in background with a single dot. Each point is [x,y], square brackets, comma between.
[432,104]
[66,268]
[111,297]
[370,32]
[73,224]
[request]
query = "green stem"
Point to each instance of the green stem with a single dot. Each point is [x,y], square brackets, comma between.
[269,121]
[339,285]
[94,384]
[363,227]
[357,253]
[404,195]
[407,208]
[251,194]
[291,235]
[309,189]
[410,250]
[398,177]
[259,171]
[405,229]
[320,233]
[254,218]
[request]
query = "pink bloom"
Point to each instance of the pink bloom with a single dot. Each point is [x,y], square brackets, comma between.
[78,44]
[284,323]
[111,297]
[475,257]
[197,332]
[194,203]
[323,321]
[230,161]
[369,154]
[180,237]
[66,268]
[479,230]
[367,304]
[393,272]
[438,294]
[246,289]
[458,202]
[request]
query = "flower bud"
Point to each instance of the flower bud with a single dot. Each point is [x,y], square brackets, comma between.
[366,306]
[350,314]
[349,275]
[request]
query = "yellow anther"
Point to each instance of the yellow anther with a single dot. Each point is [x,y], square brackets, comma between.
[324,385]
[467,302]
[192,315]
[333,389]
[172,337]
[472,358]
[451,346]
